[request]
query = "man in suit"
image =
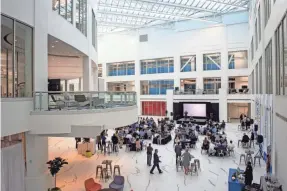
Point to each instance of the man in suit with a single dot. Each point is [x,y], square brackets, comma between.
[156,162]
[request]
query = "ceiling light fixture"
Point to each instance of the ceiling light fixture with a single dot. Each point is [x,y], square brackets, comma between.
[53,46]
[56,41]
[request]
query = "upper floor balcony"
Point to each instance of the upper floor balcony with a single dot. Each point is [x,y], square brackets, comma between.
[74,114]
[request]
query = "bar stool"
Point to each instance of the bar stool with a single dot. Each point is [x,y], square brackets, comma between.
[109,165]
[249,159]
[239,141]
[252,142]
[258,158]
[197,161]
[242,156]
[117,167]
[193,168]
[99,167]
[105,174]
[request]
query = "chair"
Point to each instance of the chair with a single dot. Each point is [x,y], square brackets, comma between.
[231,151]
[258,158]
[118,183]
[118,168]
[91,185]
[99,167]
[59,103]
[221,153]
[81,100]
[242,156]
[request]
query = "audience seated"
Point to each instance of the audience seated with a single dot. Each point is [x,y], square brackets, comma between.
[205,144]
[245,138]
[231,146]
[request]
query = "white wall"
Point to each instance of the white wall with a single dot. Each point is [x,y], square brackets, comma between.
[15,115]
[58,122]
[20,10]
[280,139]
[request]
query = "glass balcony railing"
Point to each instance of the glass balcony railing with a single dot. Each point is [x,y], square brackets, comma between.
[239,91]
[55,100]
[197,92]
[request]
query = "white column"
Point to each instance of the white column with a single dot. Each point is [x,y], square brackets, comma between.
[87,74]
[224,60]
[41,49]
[169,101]
[36,158]
[80,84]
[137,84]
[96,79]
[199,70]
[177,71]
[223,104]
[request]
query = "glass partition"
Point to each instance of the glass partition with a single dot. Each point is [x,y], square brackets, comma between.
[64,8]
[212,61]
[16,58]
[83,100]
[81,16]
[187,63]
[154,66]
[155,87]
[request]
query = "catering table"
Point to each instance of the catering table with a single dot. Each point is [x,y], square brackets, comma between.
[164,140]
[234,185]
[264,187]
[83,147]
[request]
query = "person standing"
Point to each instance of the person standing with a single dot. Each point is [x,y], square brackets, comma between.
[149,154]
[248,174]
[156,162]
[177,150]
[186,160]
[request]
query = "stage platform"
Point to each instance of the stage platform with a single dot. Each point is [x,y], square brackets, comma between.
[194,120]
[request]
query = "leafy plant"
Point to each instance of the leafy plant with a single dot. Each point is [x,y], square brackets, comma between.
[54,166]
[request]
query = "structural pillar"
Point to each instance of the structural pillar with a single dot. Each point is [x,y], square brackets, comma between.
[169,102]
[87,74]
[36,158]
[223,104]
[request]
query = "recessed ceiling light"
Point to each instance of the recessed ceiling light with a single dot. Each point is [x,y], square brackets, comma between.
[53,46]
[56,41]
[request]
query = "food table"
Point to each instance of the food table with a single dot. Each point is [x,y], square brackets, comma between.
[164,140]
[234,185]
[83,147]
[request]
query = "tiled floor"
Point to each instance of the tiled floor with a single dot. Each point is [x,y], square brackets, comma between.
[213,176]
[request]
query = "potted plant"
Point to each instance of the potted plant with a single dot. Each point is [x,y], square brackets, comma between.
[88,152]
[55,166]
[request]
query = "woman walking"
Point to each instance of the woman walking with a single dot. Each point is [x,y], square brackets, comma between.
[186,160]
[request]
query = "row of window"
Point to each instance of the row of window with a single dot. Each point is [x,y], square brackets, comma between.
[236,60]
[65,9]
[121,69]
[281,57]
[280,38]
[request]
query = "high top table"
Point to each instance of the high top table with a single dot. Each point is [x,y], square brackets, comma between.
[234,185]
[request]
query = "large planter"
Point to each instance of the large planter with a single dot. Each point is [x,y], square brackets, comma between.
[89,154]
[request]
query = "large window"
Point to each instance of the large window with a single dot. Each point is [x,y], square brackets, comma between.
[154,66]
[188,85]
[94,30]
[281,57]
[121,69]
[16,58]
[100,70]
[81,16]
[259,24]
[237,59]
[187,63]
[252,49]
[153,108]
[260,81]
[211,85]
[267,10]
[212,61]
[64,8]
[156,87]
[268,66]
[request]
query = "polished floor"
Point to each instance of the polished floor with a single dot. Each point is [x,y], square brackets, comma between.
[213,175]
